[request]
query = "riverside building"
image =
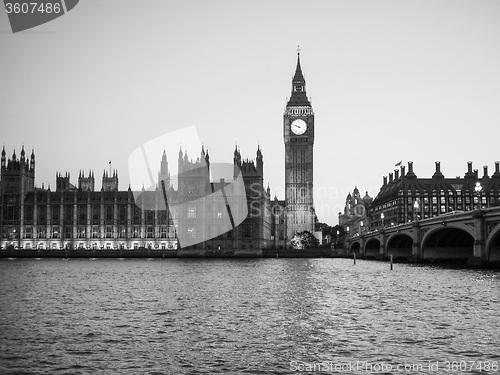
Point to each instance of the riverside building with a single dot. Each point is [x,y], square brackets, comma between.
[80,216]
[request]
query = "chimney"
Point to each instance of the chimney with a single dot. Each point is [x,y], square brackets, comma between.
[390,177]
[403,170]
[476,173]
[385,180]
[497,168]
[470,173]
[437,173]
[485,171]
[396,174]
[410,167]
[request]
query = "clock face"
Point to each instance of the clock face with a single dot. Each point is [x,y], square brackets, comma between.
[298,127]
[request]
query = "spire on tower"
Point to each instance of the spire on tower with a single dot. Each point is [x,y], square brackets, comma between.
[3,157]
[207,158]
[259,152]
[32,159]
[298,77]
[299,97]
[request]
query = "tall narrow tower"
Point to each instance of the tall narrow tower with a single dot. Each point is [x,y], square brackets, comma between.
[298,133]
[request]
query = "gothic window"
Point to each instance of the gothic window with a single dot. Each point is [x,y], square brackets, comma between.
[81,231]
[42,214]
[82,214]
[122,215]
[109,231]
[68,214]
[137,215]
[109,212]
[95,210]
[28,214]
[150,217]
[162,217]
[163,231]
[136,231]
[122,231]
[54,232]
[247,231]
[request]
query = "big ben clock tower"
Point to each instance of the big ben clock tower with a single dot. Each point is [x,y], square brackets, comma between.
[298,133]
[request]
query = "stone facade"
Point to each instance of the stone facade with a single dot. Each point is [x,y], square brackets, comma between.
[355,220]
[71,217]
[298,133]
[198,215]
[404,197]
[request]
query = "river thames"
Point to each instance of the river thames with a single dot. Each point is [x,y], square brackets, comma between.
[252,316]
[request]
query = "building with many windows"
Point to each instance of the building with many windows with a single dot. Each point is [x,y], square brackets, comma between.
[160,218]
[199,214]
[355,218]
[404,197]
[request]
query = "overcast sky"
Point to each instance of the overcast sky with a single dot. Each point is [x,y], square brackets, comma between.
[389,81]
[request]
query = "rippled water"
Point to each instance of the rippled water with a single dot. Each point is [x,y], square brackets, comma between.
[174,316]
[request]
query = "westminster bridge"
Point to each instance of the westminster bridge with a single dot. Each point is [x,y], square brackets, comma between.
[471,236]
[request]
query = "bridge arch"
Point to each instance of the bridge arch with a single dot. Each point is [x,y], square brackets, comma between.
[493,245]
[454,242]
[400,245]
[372,247]
[355,248]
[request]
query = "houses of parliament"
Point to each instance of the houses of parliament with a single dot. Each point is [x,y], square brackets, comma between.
[78,216]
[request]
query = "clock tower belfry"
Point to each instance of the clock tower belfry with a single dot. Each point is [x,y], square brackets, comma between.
[298,134]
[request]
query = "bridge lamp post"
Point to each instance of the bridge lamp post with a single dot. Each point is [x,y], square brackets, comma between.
[416,205]
[478,189]
[382,217]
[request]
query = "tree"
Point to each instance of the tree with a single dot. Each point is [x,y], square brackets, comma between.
[304,240]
